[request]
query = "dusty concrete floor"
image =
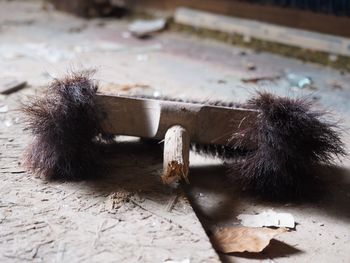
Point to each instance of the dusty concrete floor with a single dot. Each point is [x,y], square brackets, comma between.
[123,217]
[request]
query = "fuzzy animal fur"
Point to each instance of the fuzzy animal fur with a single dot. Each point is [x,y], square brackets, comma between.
[291,139]
[64,124]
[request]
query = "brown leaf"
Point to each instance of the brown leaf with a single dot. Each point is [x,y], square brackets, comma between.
[240,239]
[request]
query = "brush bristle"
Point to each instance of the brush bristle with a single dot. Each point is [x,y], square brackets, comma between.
[64,124]
[291,139]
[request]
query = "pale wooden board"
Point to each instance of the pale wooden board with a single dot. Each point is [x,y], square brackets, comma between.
[290,17]
[151,118]
[264,31]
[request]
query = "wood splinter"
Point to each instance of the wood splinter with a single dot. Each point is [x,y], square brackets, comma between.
[176,155]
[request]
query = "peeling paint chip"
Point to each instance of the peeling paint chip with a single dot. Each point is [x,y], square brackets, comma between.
[241,239]
[267,218]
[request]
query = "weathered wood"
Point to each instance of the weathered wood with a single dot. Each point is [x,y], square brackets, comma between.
[176,155]
[290,17]
[264,31]
[149,118]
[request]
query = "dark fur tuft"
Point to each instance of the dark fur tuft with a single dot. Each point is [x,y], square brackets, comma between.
[64,124]
[291,139]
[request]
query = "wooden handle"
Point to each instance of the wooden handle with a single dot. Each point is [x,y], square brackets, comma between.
[176,155]
[149,118]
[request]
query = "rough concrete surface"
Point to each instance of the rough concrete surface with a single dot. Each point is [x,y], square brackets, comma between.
[123,217]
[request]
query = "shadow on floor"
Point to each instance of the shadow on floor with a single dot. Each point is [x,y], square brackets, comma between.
[217,203]
[276,249]
[131,166]
[332,194]
[135,165]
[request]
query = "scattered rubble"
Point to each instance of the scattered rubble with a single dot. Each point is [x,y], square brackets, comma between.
[119,198]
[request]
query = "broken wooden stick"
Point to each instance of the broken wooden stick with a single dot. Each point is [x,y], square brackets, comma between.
[176,155]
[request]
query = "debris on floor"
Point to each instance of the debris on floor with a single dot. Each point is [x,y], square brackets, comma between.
[256,80]
[241,239]
[10,85]
[144,28]
[250,66]
[4,109]
[299,81]
[267,218]
[118,199]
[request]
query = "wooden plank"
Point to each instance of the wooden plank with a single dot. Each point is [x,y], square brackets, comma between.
[290,17]
[264,31]
[149,118]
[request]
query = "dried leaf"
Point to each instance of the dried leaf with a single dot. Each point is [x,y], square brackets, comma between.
[240,239]
[267,218]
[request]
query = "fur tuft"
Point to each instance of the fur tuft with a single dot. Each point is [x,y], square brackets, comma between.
[64,124]
[291,139]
